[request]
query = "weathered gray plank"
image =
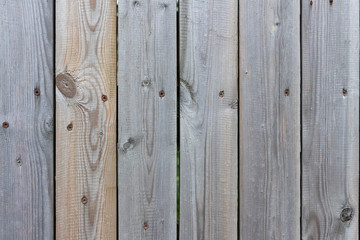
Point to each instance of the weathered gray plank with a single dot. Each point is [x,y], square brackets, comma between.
[147,119]
[330,94]
[26,146]
[208,119]
[86,119]
[269,119]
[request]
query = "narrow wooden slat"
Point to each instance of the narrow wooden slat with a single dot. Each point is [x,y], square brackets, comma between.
[26,145]
[208,119]
[269,119]
[147,119]
[330,113]
[86,119]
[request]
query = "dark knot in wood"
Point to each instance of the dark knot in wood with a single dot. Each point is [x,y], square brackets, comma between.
[66,85]
[18,161]
[146,82]
[221,94]
[136,4]
[346,214]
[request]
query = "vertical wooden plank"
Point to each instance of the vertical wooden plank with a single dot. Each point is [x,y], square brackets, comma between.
[269,119]
[208,119]
[86,119]
[26,143]
[330,113]
[147,119]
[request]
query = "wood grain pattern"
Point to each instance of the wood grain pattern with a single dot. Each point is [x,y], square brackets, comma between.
[26,146]
[147,119]
[330,113]
[86,119]
[208,119]
[269,119]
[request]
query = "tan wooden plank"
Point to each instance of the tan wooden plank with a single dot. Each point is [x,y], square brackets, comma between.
[86,119]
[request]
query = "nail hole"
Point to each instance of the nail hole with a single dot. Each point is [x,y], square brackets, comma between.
[331,2]
[162,93]
[221,94]
[84,200]
[346,214]
[311,3]
[37,92]
[146,226]
[287,92]
[344,91]
[5,124]
[104,98]
[70,127]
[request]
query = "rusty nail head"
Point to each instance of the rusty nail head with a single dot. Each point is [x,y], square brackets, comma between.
[331,2]
[5,124]
[162,93]
[70,127]
[37,92]
[221,94]
[344,92]
[146,226]
[104,98]
[287,92]
[84,200]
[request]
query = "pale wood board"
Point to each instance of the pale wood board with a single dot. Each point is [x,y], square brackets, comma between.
[269,119]
[146,121]
[26,146]
[330,150]
[85,155]
[208,119]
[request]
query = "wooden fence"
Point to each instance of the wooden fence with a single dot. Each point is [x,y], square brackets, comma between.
[255,101]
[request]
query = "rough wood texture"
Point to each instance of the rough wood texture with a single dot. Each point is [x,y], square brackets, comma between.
[330,113]
[208,119]
[147,119]
[269,119]
[86,119]
[26,146]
